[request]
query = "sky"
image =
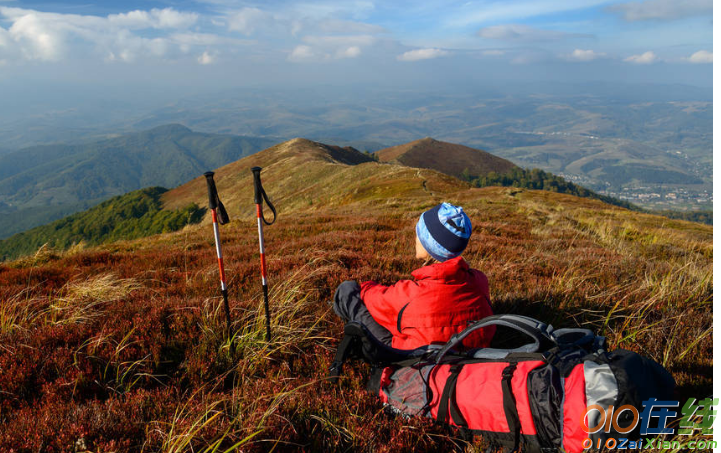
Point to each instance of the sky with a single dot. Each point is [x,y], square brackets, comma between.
[141,49]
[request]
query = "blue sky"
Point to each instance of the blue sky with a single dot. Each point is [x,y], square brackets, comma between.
[227,43]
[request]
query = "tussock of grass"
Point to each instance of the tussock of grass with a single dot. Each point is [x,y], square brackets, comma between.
[82,299]
[219,425]
[116,373]
[19,311]
[295,323]
[44,254]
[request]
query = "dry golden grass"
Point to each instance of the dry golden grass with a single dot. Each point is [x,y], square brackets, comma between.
[78,301]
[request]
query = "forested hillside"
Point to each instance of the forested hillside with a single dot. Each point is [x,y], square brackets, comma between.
[540,180]
[133,215]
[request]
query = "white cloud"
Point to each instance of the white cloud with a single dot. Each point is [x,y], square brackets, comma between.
[702,56]
[584,55]
[155,18]
[169,18]
[323,48]
[422,54]
[189,39]
[323,37]
[493,53]
[132,19]
[304,53]
[248,20]
[206,58]
[520,32]
[158,47]
[663,9]
[323,9]
[38,39]
[644,58]
[128,48]
[36,35]
[350,52]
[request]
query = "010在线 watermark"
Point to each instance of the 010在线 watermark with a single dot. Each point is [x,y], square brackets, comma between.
[697,417]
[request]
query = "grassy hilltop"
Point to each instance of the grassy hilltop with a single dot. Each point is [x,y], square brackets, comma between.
[449,158]
[122,346]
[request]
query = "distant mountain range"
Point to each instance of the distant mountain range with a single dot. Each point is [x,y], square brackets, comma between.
[607,136]
[43,183]
[649,144]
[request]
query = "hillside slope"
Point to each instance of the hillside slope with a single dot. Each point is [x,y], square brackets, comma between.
[302,174]
[133,215]
[49,178]
[123,346]
[448,158]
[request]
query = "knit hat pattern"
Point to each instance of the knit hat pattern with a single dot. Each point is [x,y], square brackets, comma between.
[444,231]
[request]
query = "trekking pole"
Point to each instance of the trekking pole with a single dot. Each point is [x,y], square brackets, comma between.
[220,216]
[260,195]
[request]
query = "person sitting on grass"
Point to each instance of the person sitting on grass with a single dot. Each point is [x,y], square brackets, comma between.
[445,295]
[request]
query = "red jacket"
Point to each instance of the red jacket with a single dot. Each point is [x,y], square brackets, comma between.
[440,302]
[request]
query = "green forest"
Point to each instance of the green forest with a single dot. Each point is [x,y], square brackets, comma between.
[130,216]
[540,180]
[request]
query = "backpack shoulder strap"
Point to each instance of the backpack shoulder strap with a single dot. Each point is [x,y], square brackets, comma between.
[539,332]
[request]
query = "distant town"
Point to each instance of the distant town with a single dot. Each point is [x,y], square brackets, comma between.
[681,198]
[665,198]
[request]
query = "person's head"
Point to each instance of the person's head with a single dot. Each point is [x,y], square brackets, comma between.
[442,232]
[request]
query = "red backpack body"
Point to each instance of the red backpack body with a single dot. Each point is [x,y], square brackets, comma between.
[531,398]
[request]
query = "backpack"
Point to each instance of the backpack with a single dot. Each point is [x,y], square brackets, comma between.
[531,398]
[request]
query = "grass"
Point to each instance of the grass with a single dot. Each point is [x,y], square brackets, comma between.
[125,347]
[186,429]
[78,301]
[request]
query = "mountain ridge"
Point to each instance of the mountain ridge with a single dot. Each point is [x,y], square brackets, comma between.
[309,172]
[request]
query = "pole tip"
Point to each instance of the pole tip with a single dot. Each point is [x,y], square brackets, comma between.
[208,174]
[256,169]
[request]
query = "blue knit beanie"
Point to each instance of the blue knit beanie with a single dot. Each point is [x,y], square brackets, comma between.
[444,231]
